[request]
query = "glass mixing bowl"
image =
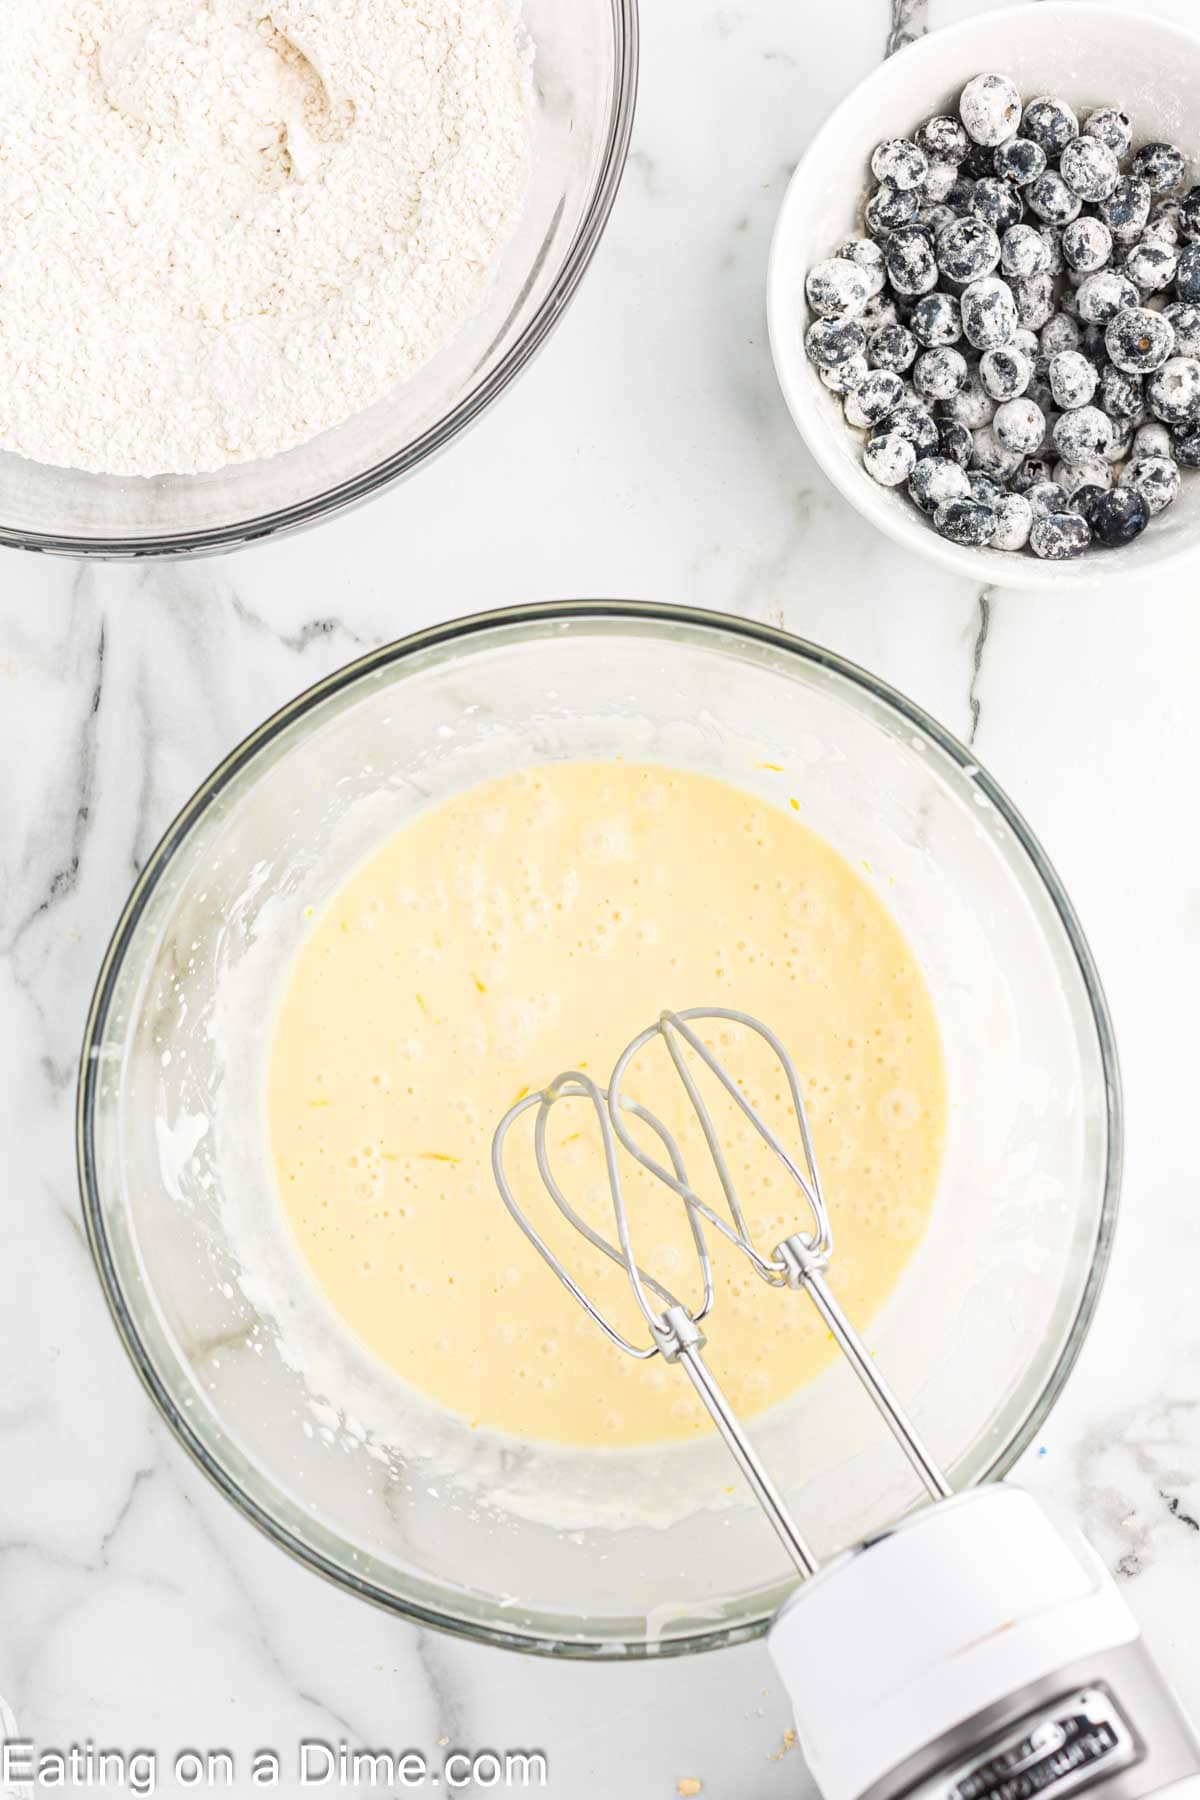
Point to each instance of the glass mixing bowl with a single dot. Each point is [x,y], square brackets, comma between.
[585,80]
[614,1552]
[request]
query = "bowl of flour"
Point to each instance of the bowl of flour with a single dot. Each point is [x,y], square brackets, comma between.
[264,256]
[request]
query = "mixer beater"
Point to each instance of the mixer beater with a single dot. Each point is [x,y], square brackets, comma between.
[970,1652]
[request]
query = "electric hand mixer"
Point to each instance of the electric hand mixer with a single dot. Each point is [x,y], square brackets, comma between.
[969,1652]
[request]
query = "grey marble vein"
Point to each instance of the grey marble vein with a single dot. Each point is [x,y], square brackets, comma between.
[974,703]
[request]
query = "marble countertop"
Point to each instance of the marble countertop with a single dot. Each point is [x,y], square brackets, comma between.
[646,453]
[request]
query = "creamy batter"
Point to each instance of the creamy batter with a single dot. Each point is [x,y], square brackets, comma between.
[535,924]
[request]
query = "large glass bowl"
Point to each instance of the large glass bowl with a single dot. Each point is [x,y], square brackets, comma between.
[585,80]
[411,1509]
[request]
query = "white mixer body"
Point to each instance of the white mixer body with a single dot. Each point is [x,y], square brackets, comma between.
[974,1653]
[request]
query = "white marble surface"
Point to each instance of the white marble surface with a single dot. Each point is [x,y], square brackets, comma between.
[646,453]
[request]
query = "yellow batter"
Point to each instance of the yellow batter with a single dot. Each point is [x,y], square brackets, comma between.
[535,924]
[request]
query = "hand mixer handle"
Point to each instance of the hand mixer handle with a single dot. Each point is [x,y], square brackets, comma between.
[972,1652]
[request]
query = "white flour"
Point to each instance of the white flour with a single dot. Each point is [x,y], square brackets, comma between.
[230,224]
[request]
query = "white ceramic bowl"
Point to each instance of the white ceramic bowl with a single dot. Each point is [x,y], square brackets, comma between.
[1091,55]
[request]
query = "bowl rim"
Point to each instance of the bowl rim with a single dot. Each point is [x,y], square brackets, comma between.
[357,489]
[798,379]
[552,615]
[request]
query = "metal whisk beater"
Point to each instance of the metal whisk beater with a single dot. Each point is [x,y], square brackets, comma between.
[798,1261]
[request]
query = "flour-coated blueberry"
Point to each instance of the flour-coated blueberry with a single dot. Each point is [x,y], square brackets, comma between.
[889,458]
[989,312]
[1157,477]
[1127,208]
[1161,166]
[1139,340]
[1051,199]
[966,521]
[1060,536]
[1112,127]
[1089,168]
[990,109]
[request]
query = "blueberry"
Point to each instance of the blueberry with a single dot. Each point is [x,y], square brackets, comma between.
[913,422]
[935,218]
[1163,223]
[989,312]
[1006,372]
[891,347]
[1173,392]
[959,197]
[943,139]
[1052,236]
[1153,439]
[955,442]
[1122,441]
[889,458]
[1051,199]
[978,162]
[972,406]
[900,164]
[829,342]
[965,521]
[1156,478]
[1033,296]
[1024,251]
[1111,127]
[879,311]
[1139,340]
[939,373]
[936,320]
[1119,516]
[1020,425]
[1014,519]
[1151,266]
[1091,342]
[1050,122]
[1102,296]
[1058,333]
[889,208]
[1184,319]
[1127,208]
[1086,244]
[911,267]
[1187,275]
[1189,215]
[1082,434]
[935,480]
[875,397]
[1089,168]
[967,250]
[867,258]
[997,202]
[1185,445]
[836,289]
[1160,166]
[1093,471]
[1046,497]
[990,109]
[990,456]
[1020,161]
[1073,379]
[1059,536]
[939,183]
[845,377]
[1084,499]
[1120,394]
[985,488]
[1034,472]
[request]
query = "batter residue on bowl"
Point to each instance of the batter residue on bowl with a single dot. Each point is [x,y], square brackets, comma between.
[534,924]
